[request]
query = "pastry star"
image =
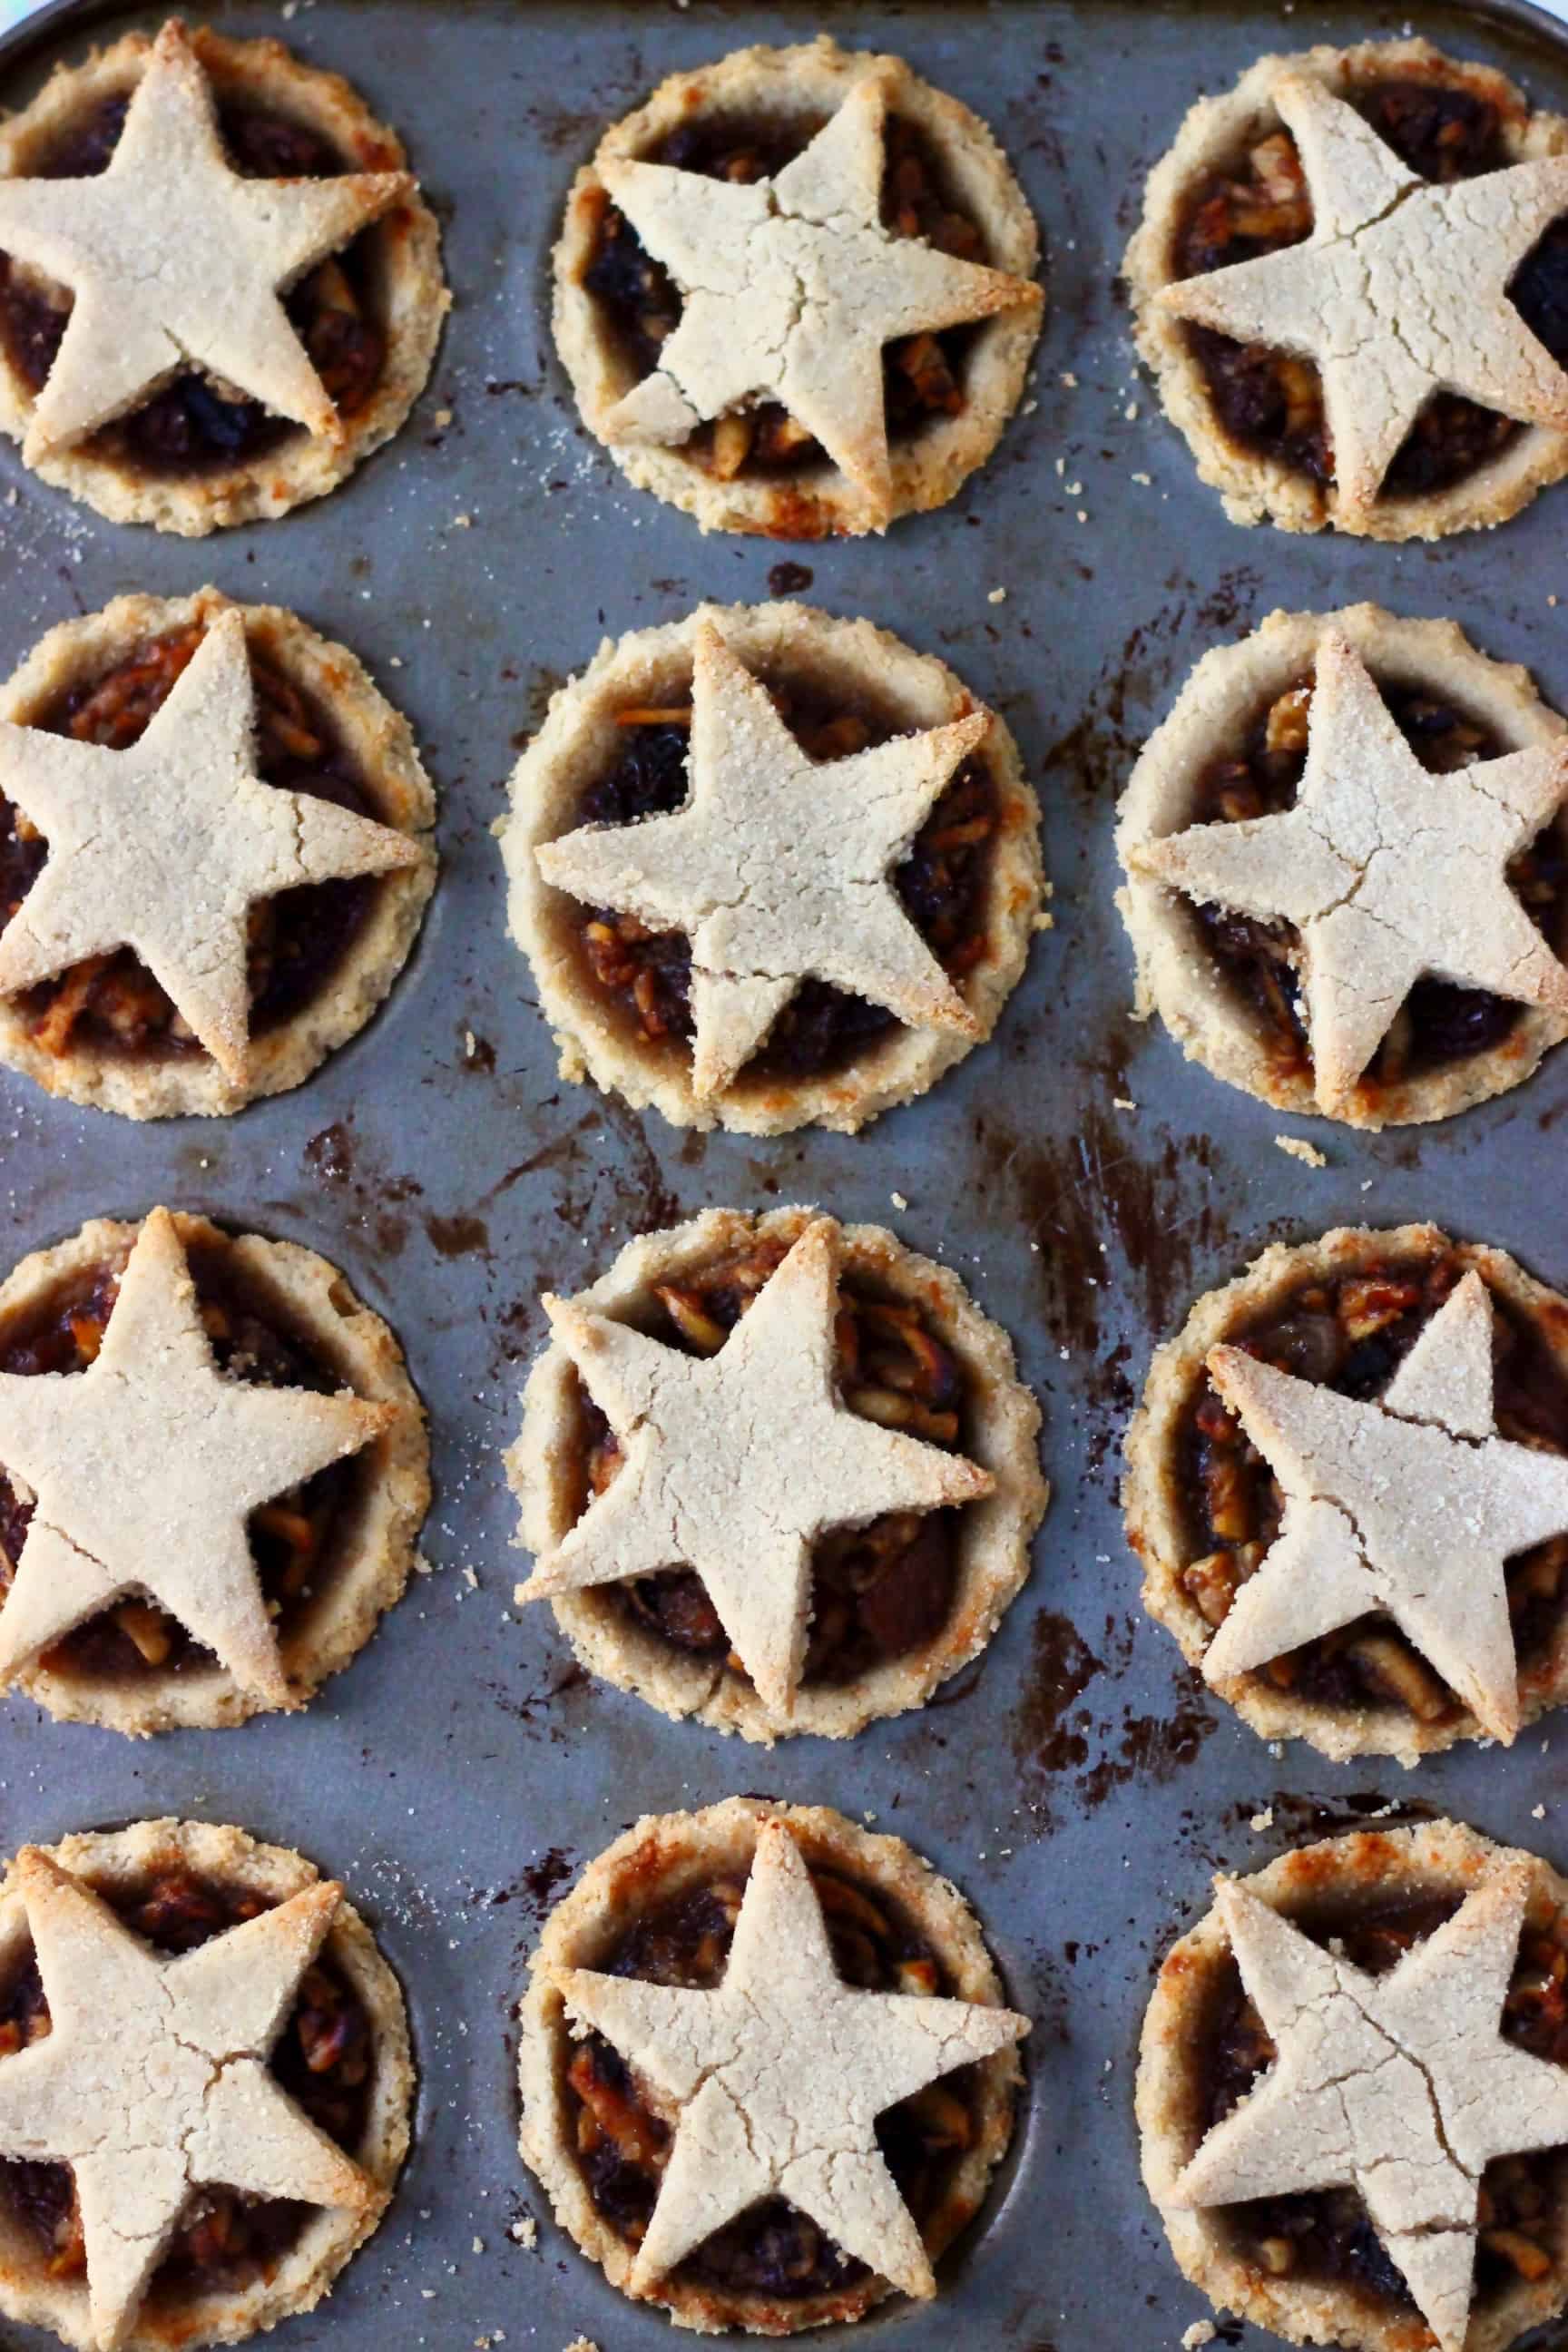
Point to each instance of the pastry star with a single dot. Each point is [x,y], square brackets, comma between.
[776,867]
[790,287]
[176,261]
[164,846]
[1411,1507]
[1400,291]
[1399,2086]
[736,1464]
[780,2075]
[145,1467]
[1387,871]
[153,2079]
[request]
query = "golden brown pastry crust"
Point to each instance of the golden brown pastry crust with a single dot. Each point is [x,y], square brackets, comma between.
[392,1486]
[1176,976]
[1256,488]
[109,1858]
[667,1854]
[580,740]
[804,86]
[406,260]
[1156,1526]
[1437,1857]
[380,741]
[994,1534]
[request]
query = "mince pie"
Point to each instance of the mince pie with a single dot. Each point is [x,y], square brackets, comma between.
[1349,1486]
[771,869]
[219,289]
[1353,2094]
[1347,861]
[778,1474]
[766,2071]
[1352,281]
[794,292]
[205,2086]
[214,1490]
[214,855]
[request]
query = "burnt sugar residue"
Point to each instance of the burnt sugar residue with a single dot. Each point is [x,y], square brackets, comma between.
[331,1154]
[790,579]
[461,1235]
[1066,1751]
[1299,1817]
[340,1158]
[536,1890]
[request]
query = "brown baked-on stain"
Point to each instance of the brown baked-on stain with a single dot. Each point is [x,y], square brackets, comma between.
[333,1157]
[1048,1738]
[461,1235]
[1055,1736]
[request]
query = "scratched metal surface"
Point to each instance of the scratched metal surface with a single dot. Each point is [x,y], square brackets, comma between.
[1078,1785]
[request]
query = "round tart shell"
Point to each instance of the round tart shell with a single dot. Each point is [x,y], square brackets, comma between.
[377,738]
[114,1858]
[1436,1858]
[581,740]
[392,1496]
[1156,1520]
[1257,488]
[786,88]
[994,1534]
[1176,974]
[411,296]
[661,1857]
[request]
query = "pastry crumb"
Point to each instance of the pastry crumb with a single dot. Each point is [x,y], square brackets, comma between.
[1145,480]
[423,1567]
[1130,411]
[897,1200]
[1261,1821]
[442,417]
[1045,922]
[525,2231]
[581,2344]
[1296,1147]
[997,596]
[1201,2332]
[462,523]
[1122,1102]
[1070,379]
[470,1578]
[1538,1812]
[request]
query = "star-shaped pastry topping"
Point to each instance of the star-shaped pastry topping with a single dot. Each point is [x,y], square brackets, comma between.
[790,287]
[1400,291]
[145,1468]
[177,262]
[153,2078]
[734,1464]
[777,2079]
[777,867]
[1387,871]
[164,847]
[1410,1507]
[1399,2086]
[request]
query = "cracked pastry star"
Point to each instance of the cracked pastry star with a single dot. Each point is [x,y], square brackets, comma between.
[1399,2086]
[153,2080]
[145,1468]
[779,2077]
[777,867]
[1400,291]
[1410,1507]
[733,1465]
[176,261]
[790,287]
[1389,872]
[164,846]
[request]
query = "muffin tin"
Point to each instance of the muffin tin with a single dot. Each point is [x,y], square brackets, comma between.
[1078,1783]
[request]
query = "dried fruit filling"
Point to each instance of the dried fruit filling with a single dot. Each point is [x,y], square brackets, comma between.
[1439,1022]
[1349,1332]
[194,426]
[880,1591]
[624,2144]
[1271,401]
[111,1004]
[922,375]
[944,885]
[1325,2234]
[324,2059]
[294,1538]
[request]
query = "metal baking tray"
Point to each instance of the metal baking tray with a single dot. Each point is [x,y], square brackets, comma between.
[1078,1783]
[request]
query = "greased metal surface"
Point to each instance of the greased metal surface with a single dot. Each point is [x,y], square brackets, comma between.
[1078,1783]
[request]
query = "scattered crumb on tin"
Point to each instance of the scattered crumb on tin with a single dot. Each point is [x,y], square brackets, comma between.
[1201,2332]
[897,1200]
[1122,1102]
[1296,1147]
[997,596]
[1261,1821]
